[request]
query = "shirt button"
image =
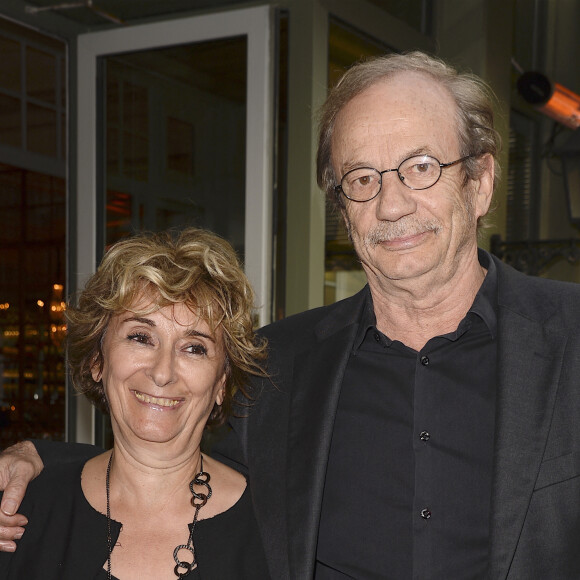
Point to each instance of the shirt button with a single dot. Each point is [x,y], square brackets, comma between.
[424,360]
[377,337]
[425,513]
[424,436]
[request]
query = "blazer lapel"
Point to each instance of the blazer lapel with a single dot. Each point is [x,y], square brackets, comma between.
[529,365]
[319,372]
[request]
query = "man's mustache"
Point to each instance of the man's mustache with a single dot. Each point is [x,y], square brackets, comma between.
[403,228]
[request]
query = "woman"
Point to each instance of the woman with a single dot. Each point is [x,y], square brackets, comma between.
[161,339]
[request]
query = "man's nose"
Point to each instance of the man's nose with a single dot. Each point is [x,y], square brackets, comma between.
[395,200]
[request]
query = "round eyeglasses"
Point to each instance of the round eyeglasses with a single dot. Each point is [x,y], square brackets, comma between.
[417,172]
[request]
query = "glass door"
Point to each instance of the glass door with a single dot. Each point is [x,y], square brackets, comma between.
[175,128]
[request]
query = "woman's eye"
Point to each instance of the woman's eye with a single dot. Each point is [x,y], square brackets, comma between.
[140,338]
[196,349]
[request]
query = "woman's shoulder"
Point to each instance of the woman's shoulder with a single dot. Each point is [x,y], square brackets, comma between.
[56,479]
[227,487]
[230,544]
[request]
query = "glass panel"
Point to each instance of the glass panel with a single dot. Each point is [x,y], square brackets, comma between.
[41,75]
[10,121]
[32,239]
[416,13]
[180,146]
[343,272]
[11,65]
[41,130]
[175,134]
[32,276]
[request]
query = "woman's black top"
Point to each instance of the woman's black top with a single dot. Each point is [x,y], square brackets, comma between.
[66,538]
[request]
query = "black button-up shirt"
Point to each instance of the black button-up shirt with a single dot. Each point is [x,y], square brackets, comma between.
[408,485]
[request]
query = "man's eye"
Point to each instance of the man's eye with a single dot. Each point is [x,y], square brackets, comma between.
[422,168]
[361,180]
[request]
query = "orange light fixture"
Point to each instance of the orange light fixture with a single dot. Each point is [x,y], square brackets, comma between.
[551,99]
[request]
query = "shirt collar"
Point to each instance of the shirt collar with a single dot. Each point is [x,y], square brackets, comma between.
[368,320]
[484,305]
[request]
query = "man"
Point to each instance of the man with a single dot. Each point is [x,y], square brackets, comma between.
[425,427]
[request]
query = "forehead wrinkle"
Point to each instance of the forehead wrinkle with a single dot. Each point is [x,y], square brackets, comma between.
[351,164]
[399,108]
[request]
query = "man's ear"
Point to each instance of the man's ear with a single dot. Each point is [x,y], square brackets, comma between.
[483,187]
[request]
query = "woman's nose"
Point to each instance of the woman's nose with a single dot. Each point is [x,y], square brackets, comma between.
[162,368]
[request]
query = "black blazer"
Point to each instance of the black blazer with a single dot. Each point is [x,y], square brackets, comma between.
[284,439]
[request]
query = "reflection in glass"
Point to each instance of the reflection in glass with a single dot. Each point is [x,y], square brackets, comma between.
[10,121]
[32,235]
[42,130]
[11,66]
[175,135]
[41,72]
[32,327]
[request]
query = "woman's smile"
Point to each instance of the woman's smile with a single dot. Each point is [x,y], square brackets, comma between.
[162,402]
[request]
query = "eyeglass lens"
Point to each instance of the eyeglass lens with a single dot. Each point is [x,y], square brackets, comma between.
[364,183]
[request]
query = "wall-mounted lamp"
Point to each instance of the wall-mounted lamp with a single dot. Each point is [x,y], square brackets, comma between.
[551,99]
[562,105]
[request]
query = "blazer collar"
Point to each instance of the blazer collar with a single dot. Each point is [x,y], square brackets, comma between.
[317,379]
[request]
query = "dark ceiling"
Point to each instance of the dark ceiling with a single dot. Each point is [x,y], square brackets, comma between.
[96,13]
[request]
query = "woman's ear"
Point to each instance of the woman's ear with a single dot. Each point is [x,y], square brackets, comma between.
[221,394]
[96,371]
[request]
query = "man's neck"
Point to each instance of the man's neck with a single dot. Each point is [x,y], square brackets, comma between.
[415,311]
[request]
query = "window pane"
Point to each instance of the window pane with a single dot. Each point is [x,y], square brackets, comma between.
[180,145]
[10,121]
[41,75]
[32,273]
[11,65]
[41,130]
[175,134]
[416,13]
[32,238]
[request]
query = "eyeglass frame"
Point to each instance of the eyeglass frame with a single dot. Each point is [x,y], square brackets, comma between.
[442,166]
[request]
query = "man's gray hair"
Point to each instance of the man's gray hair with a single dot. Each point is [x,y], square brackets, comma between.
[474,98]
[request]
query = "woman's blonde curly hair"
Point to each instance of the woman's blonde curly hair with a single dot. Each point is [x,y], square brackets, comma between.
[194,267]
